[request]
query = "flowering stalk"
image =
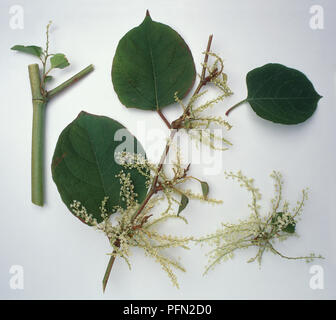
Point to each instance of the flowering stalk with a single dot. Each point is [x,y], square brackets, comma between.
[257,231]
[155,187]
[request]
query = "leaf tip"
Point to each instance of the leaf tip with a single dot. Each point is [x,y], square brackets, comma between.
[82,114]
[183,203]
[147,13]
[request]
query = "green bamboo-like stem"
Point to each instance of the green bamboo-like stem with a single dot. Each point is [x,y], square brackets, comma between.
[40,98]
[69,82]
[39,104]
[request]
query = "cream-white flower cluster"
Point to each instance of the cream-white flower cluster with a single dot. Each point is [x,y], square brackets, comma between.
[282,220]
[256,231]
[194,119]
[127,193]
[128,227]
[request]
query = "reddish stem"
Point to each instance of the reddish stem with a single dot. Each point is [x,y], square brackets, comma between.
[154,187]
[163,118]
[235,106]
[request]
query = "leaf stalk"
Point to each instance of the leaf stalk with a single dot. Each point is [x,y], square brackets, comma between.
[235,106]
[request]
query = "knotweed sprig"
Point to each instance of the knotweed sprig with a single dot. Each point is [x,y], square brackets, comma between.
[257,231]
[158,180]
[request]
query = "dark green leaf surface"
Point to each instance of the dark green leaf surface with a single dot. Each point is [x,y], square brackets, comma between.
[151,63]
[34,50]
[184,202]
[281,94]
[84,167]
[59,61]
[290,228]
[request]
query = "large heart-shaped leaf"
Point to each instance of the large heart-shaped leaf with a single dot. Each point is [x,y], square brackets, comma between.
[84,167]
[281,94]
[152,62]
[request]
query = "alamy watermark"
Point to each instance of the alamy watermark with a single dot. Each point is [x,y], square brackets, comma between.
[16,20]
[317,280]
[316,21]
[16,281]
[199,148]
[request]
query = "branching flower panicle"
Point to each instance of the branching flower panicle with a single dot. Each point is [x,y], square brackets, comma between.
[194,119]
[257,230]
[171,181]
[129,228]
[134,226]
[124,233]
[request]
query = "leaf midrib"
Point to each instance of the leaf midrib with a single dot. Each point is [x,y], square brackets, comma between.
[153,68]
[289,98]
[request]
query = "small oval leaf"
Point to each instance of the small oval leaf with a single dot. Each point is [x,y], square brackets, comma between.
[151,63]
[205,189]
[183,203]
[34,50]
[281,94]
[84,166]
[59,60]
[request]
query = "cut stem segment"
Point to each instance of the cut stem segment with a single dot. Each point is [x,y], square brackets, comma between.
[39,104]
[70,82]
[40,98]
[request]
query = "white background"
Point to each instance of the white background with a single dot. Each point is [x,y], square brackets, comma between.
[63,258]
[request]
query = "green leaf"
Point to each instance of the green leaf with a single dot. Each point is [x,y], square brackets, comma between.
[48,78]
[281,94]
[59,61]
[290,228]
[205,189]
[152,62]
[34,50]
[84,165]
[183,203]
